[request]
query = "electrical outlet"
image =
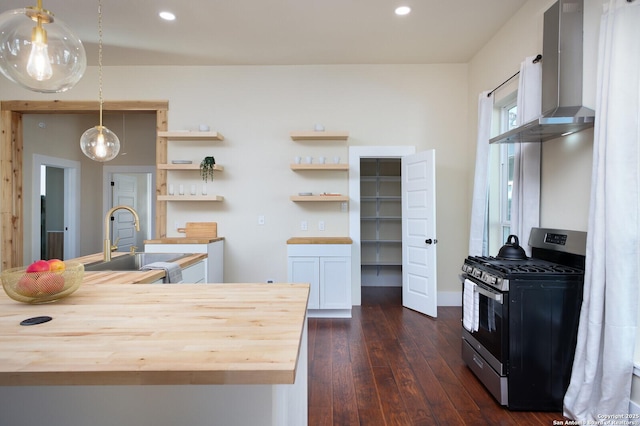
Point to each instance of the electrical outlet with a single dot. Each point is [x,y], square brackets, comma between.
[303,225]
[321,225]
[343,207]
[261,220]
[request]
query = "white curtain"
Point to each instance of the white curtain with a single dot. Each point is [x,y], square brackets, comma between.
[477,234]
[525,201]
[603,364]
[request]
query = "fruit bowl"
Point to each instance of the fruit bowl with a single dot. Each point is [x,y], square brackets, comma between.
[42,286]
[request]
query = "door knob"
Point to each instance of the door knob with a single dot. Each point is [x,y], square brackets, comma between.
[430,241]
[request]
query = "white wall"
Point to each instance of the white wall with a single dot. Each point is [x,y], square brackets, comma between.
[255,108]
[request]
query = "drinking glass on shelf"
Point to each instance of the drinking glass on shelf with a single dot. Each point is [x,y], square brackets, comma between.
[181,189]
[193,190]
[171,189]
[204,189]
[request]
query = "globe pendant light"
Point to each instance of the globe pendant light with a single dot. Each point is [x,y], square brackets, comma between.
[39,52]
[100,143]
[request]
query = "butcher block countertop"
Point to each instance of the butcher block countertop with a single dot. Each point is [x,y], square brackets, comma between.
[124,334]
[133,277]
[319,240]
[184,240]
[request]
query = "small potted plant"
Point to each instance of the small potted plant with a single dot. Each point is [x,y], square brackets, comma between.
[207,166]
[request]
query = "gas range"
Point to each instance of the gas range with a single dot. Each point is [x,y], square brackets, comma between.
[520,318]
[498,272]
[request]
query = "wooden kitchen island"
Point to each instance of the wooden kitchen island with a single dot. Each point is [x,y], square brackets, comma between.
[131,354]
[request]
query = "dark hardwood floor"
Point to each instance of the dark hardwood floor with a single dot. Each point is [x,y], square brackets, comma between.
[389,365]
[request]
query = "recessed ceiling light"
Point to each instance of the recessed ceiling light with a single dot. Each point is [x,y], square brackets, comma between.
[167,16]
[403,10]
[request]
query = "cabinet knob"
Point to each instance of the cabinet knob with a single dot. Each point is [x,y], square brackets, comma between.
[430,241]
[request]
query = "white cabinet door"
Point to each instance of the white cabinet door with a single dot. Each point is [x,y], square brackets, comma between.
[335,291]
[327,268]
[214,272]
[195,273]
[306,270]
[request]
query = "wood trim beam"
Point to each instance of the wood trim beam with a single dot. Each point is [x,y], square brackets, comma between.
[161,175]
[80,107]
[11,220]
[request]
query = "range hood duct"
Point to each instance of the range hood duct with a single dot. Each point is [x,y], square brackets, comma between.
[562,68]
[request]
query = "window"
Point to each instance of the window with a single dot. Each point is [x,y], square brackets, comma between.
[508,120]
[501,165]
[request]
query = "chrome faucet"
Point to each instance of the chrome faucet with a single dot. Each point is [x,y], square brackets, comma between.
[107,229]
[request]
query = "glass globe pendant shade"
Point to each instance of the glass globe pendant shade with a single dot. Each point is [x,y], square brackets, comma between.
[100,144]
[39,52]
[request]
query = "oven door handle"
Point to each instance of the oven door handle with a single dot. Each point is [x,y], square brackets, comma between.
[491,295]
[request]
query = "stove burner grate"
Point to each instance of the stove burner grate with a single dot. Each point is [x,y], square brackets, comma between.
[521,267]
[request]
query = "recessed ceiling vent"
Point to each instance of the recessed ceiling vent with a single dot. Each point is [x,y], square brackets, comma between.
[562,86]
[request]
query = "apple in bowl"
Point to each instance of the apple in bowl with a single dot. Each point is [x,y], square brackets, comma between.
[38,266]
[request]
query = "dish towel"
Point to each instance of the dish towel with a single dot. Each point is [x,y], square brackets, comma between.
[172,271]
[470,303]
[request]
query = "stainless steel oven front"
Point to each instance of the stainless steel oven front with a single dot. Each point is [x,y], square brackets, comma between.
[485,350]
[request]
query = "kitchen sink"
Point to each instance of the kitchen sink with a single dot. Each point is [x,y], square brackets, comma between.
[133,262]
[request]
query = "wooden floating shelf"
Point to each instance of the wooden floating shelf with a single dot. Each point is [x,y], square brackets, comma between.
[190,198]
[317,198]
[319,167]
[319,136]
[212,136]
[186,167]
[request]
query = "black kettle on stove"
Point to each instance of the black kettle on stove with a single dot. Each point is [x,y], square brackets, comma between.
[511,250]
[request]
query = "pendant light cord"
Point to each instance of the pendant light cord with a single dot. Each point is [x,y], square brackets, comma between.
[100,59]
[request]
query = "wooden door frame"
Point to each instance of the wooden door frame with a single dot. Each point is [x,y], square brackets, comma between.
[11,148]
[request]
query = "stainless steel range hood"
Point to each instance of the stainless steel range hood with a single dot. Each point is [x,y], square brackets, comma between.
[562,86]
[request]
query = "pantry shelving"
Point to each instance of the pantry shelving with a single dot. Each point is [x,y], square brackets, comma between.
[381,212]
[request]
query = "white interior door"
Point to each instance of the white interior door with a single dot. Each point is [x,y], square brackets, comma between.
[125,193]
[419,283]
